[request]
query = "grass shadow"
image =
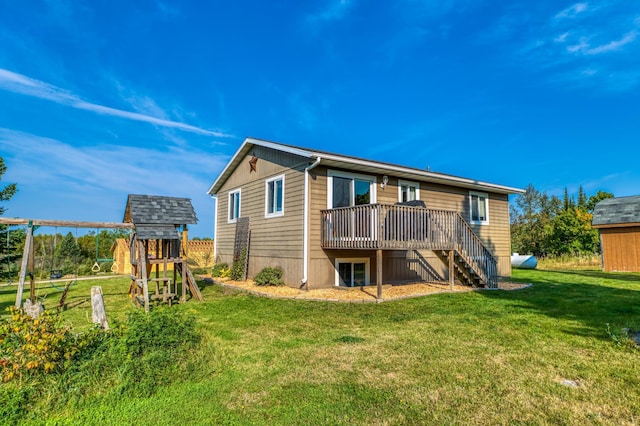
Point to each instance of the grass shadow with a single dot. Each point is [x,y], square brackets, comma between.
[594,299]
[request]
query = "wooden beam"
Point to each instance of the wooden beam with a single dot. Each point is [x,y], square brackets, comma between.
[142,263]
[65,223]
[23,267]
[452,275]
[30,267]
[379,273]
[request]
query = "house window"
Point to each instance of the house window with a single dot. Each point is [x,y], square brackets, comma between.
[408,191]
[234,205]
[274,197]
[348,189]
[479,206]
[352,272]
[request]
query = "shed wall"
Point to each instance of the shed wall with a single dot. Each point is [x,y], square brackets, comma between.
[621,249]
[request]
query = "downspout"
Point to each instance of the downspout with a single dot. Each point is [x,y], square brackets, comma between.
[305,230]
[215,227]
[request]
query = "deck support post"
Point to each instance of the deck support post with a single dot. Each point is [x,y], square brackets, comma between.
[452,275]
[379,273]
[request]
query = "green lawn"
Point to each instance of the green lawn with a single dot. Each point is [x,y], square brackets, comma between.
[486,357]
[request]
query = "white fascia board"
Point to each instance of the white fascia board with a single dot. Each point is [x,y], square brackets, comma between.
[241,152]
[424,175]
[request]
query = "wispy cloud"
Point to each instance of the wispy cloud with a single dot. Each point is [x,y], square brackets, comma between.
[335,10]
[22,84]
[572,11]
[588,44]
[613,45]
[57,180]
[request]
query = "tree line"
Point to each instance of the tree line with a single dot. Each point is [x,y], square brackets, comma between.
[549,225]
[57,253]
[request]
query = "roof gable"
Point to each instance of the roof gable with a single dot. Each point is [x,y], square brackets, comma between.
[159,210]
[354,163]
[617,211]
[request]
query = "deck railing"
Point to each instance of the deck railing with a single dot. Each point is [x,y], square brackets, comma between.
[389,227]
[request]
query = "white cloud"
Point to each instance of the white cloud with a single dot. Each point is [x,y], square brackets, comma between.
[335,10]
[572,11]
[613,45]
[57,180]
[22,84]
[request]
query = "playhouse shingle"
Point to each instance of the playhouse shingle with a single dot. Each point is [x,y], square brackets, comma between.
[617,211]
[159,210]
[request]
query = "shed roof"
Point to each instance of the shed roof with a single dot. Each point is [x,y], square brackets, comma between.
[159,210]
[616,212]
[358,164]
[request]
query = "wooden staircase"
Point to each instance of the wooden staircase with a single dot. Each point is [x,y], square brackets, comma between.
[473,263]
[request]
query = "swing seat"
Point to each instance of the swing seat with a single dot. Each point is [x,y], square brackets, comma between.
[56,274]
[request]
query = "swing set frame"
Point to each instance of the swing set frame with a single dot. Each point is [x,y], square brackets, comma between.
[27,265]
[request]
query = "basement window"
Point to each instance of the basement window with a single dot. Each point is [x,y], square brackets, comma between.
[352,272]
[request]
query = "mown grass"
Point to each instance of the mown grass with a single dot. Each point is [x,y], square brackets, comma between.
[490,357]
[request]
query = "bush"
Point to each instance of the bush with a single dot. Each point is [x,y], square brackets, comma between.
[237,269]
[154,346]
[269,276]
[220,270]
[30,346]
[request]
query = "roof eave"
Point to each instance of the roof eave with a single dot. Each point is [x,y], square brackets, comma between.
[423,175]
[246,146]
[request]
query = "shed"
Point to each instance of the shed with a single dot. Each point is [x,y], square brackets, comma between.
[618,220]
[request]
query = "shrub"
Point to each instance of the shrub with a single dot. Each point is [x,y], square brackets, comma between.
[269,276]
[220,270]
[153,347]
[237,269]
[36,345]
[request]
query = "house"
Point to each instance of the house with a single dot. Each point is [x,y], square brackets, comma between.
[618,220]
[334,220]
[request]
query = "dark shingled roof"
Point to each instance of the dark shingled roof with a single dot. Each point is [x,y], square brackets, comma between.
[615,211]
[157,232]
[158,210]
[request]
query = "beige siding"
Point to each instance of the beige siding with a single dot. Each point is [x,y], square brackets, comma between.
[408,265]
[275,241]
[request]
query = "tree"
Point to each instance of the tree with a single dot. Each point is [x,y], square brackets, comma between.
[531,221]
[69,252]
[542,224]
[595,199]
[11,241]
[9,190]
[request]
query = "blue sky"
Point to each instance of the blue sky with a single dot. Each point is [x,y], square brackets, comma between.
[101,99]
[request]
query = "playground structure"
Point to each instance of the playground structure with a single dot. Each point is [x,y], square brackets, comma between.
[152,220]
[160,221]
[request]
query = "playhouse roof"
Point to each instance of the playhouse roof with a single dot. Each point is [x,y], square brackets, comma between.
[612,212]
[158,210]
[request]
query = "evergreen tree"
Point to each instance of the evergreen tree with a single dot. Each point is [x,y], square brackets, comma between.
[9,190]
[582,199]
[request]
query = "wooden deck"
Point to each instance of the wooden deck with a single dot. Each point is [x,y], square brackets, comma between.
[397,227]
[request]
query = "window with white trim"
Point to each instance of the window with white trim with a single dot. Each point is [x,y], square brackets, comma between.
[234,205]
[352,272]
[479,208]
[408,191]
[349,189]
[274,197]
